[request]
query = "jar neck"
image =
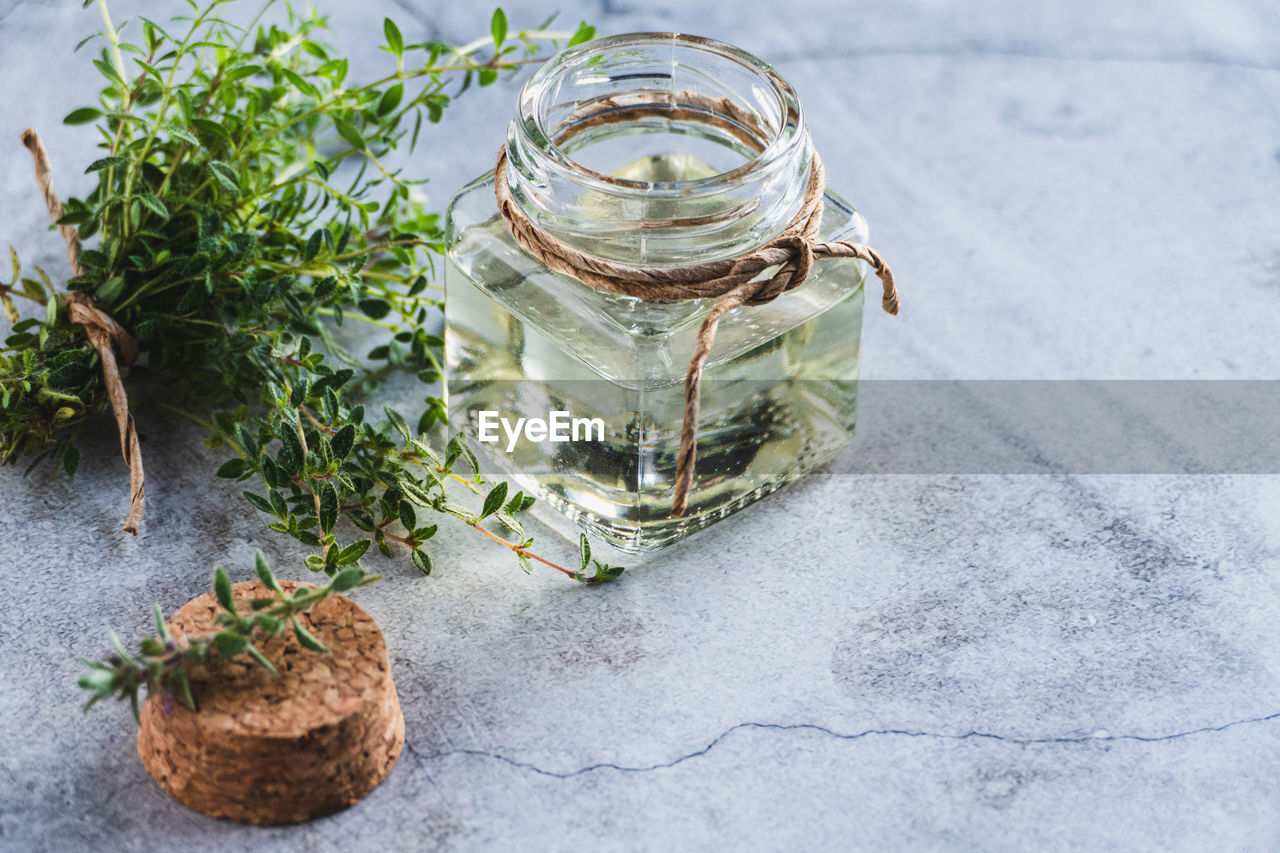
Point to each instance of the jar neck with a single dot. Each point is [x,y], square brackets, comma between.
[658,149]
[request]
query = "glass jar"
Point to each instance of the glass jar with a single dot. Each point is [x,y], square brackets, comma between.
[679,185]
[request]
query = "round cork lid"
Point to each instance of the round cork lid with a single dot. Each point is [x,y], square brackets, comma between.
[283,748]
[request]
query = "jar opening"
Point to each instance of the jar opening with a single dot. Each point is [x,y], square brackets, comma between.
[660,111]
[657,148]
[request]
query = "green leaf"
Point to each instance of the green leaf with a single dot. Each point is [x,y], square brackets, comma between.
[307,639]
[98,680]
[70,459]
[270,472]
[229,643]
[308,537]
[181,133]
[390,99]
[222,589]
[408,517]
[328,506]
[375,308]
[212,128]
[605,573]
[346,579]
[106,163]
[224,175]
[154,205]
[487,76]
[498,27]
[394,40]
[162,627]
[313,245]
[232,468]
[397,421]
[348,132]
[183,690]
[299,394]
[300,83]
[422,560]
[584,551]
[265,574]
[259,502]
[119,648]
[585,32]
[457,448]
[494,500]
[324,450]
[343,440]
[110,289]
[241,71]
[415,493]
[354,551]
[288,434]
[84,115]
[510,522]
[260,658]
[149,68]
[108,70]
[184,105]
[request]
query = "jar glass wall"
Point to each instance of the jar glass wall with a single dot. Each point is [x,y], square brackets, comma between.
[719,168]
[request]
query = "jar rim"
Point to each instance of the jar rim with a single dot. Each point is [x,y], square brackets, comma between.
[531,122]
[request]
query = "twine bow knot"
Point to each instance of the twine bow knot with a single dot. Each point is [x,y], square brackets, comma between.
[791,274]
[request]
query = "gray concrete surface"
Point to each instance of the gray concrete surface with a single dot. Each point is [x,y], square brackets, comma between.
[1066,190]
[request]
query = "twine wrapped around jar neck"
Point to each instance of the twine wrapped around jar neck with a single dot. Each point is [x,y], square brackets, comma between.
[732,282]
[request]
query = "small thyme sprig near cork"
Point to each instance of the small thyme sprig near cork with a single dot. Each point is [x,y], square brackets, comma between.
[243,208]
[162,664]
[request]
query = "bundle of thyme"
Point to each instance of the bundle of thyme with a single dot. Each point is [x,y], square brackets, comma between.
[243,207]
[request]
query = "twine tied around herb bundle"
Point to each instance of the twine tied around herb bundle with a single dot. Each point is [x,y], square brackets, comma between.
[104,333]
[732,282]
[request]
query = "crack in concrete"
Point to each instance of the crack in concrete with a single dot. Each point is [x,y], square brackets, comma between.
[813,727]
[943,51]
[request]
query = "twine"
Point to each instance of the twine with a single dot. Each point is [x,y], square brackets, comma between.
[732,282]
[105,335]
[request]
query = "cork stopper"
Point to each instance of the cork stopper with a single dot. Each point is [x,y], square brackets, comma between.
[272,749]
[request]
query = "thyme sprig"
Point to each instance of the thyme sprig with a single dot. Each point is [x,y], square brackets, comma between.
[245,206]
[163,665]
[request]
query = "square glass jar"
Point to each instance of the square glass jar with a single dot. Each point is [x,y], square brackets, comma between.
[685,184]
